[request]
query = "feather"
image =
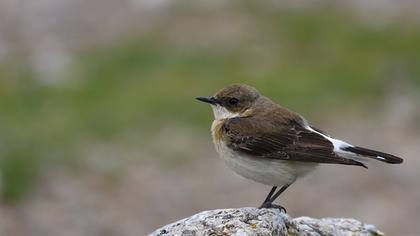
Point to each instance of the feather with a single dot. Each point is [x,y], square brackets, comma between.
[287,140]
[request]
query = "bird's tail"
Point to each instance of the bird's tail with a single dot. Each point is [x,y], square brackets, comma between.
[380,156]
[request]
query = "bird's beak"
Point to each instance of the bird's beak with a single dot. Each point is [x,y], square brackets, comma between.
[210,100]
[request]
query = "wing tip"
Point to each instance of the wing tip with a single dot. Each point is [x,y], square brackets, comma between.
[358,163]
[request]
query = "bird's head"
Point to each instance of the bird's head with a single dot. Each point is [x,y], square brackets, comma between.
[236,100]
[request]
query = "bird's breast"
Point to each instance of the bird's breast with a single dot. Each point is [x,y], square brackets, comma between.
[217,134]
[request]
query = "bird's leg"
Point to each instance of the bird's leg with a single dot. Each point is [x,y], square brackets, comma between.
[275,196]
[268,202]
[270,194]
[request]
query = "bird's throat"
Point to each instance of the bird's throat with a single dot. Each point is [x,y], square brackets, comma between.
[221,113]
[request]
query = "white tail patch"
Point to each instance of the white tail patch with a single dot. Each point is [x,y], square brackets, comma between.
[338,146]
[380,158]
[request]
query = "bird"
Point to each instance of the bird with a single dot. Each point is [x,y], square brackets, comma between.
[272,145]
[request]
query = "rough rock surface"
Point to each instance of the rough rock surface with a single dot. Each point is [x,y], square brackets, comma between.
[253,221]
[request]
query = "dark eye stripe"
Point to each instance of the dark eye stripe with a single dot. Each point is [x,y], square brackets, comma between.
[233,101]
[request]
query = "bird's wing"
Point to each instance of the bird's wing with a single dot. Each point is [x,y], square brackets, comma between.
[292,141]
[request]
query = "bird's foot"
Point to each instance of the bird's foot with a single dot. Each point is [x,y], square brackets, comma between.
[271,205]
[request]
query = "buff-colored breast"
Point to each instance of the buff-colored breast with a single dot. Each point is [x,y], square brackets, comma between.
[216,131]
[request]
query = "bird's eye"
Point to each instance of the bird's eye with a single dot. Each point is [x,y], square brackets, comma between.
[233,101]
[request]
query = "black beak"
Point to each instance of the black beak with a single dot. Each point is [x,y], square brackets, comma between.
[211,100]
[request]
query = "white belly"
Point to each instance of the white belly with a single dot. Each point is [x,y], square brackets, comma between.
[263,170]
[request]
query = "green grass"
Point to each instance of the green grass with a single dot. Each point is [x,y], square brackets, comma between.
[309,60]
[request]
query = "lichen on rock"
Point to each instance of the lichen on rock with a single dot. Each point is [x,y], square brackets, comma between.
[254,221]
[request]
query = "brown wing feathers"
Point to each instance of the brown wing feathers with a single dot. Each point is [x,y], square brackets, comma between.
[286,141]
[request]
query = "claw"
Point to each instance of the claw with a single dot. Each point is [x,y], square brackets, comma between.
[271,205]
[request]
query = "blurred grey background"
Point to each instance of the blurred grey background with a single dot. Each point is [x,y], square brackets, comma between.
[100,133]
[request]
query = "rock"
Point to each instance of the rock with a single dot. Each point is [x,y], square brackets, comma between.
[254,221]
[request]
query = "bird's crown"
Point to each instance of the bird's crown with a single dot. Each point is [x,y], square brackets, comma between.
[237,97]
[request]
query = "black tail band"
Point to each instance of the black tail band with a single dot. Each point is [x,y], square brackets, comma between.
[381,156]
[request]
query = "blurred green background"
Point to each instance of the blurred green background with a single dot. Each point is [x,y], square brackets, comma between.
[131,90]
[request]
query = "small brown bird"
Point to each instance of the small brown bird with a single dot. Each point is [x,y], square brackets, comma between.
[272,145]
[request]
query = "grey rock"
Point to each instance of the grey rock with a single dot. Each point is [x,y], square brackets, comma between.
[254,221]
